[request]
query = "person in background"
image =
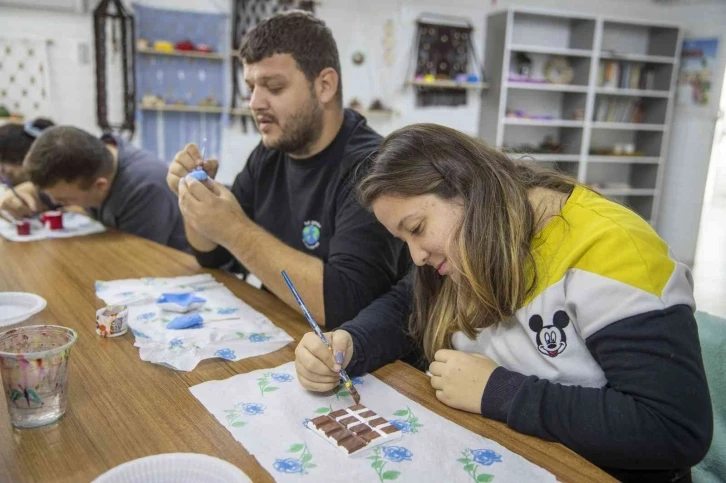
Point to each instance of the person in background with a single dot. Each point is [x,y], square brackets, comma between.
[120,185]
[15,142]
[539,304]
[293,206]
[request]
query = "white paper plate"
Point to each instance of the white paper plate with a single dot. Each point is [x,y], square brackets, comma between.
[17,306]
[175,467]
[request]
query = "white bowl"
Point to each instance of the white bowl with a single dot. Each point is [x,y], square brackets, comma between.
[15,307]
[175,467]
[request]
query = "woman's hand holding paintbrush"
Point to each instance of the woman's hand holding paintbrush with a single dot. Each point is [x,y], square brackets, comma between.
[316,366]
[312,370]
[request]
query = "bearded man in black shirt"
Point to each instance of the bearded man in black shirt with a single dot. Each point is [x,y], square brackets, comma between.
[293,206]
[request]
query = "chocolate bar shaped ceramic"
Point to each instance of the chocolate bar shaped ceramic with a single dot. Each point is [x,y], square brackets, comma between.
[354,429]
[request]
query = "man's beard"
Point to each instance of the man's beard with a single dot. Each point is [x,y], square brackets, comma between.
[302,129]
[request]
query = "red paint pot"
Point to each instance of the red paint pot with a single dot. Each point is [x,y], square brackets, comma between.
[23,227]
[53,220]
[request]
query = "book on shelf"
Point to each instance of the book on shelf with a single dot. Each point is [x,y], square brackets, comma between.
[625,75]
[619,110]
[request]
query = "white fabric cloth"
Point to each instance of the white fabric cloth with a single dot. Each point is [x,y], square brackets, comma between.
[232,329]
[74,224]
[266,410]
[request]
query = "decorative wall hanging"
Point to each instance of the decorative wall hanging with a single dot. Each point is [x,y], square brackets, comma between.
[24,77]
[112,13]
[444,50]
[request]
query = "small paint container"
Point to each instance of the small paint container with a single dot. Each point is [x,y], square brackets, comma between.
[112,321]
[52,219]
[23,227]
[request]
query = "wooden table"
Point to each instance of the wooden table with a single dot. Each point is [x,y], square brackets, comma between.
[121,408]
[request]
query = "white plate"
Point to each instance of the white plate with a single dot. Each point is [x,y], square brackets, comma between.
[175,467]
[17,306]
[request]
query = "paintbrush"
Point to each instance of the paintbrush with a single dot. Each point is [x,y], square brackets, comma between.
[343,375]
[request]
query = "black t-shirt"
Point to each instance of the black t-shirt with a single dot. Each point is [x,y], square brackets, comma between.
[310,205]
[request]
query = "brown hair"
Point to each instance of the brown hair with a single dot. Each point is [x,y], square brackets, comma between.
[491,246]
[306,38]
[15,141]
[65,153]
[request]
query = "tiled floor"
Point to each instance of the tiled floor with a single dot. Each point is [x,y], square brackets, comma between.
[709,271]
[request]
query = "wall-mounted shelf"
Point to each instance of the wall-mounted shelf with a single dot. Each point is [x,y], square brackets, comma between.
[630,126]
[11,120]
[631,92]
[544,49]
[652,59]
[182,53]
[516,121]
[542,86]
[377,113]
[623,159]
[197,109]
[449,84]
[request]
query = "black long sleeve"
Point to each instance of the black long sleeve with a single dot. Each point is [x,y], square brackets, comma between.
[379,331]
[654,413]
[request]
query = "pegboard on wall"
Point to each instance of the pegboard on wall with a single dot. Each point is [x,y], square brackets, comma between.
[181,60]
[24,80]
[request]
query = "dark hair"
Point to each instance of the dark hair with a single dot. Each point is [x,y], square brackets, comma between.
[306,38]
[65,153]
[15,141]
[491,246]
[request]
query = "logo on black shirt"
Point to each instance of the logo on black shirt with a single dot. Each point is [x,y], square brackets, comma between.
[311,234]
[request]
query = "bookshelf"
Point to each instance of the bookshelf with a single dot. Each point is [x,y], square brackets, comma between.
[608,125]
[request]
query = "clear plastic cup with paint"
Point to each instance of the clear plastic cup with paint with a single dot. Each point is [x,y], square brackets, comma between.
[34,370]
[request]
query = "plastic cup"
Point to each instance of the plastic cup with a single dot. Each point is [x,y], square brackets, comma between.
[34,369]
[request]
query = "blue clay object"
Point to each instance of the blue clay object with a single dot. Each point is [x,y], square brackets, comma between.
[189,321]
[198,174]
[183,299]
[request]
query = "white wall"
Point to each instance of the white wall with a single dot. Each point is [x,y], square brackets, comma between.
[691,140]
[358,25]
[73,84]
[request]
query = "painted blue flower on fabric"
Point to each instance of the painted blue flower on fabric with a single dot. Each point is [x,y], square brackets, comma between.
[176,344]
[358,381]
[140,335]
[259,338]
[226,354]
[396,453]
[281,377]
[485,457]
[288,465]
[305,422]
[226,311]
[253,408]
[146,316]
[404,426]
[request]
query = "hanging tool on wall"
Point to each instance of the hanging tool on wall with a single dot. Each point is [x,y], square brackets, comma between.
[114,12]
